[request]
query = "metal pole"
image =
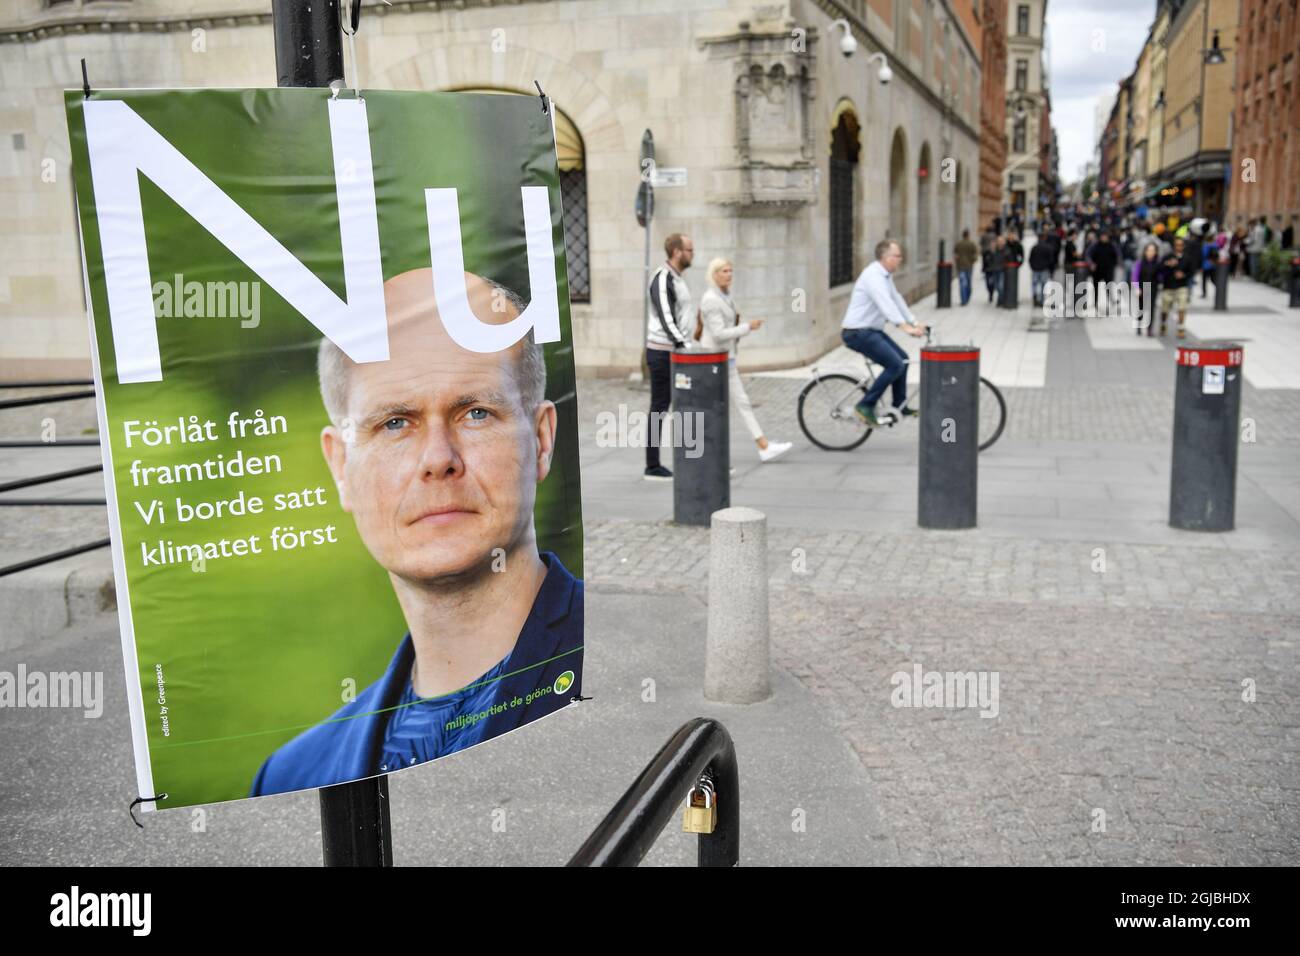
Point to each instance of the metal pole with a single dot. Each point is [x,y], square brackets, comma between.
[308,42]
[647,152]
[354,823]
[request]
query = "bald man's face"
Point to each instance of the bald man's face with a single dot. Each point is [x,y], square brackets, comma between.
[445,461]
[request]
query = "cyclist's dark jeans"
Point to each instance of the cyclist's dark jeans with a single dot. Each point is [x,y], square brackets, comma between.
[881,349]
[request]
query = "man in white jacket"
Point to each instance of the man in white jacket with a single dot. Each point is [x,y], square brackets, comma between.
[670,325]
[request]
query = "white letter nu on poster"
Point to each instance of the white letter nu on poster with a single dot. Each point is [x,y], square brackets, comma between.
[121,145]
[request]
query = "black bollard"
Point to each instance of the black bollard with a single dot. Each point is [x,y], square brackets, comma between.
[1221,272]
[943,292]
[1295,282]
[1011,285]
[1207,410]
[701,436]
[943,282]
[949,454]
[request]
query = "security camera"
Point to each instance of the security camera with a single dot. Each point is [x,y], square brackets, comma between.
[885,74]
[848,45]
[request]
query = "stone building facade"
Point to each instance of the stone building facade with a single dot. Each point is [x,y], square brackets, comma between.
[1025,82]
[1197,114]
[993,110]
[1266,135]
[798,160]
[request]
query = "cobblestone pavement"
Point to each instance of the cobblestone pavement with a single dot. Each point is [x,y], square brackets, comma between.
[1119,691]
[1123,731]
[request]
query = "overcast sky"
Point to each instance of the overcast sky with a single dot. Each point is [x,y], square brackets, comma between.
[1091,46]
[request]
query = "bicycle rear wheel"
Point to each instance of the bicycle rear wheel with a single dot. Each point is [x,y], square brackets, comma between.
[993,413]
[826,413]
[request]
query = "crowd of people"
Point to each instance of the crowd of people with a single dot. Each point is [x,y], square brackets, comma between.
[1156,252]
[1162,253]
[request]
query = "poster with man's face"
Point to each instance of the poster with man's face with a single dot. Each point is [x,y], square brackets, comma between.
[335,385]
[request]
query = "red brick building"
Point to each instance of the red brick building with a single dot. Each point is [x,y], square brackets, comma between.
[1266,140]
[993,109]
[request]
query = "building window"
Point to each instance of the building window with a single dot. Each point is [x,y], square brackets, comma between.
[845,146]
[1022,19]
[1018,137]
[1022,75]
[572,158]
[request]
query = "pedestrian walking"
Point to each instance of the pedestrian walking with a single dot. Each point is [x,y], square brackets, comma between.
[721,329]
[995,261]
[1237,250]
[670,315]
[964,254]
[1146,276]
[874,302]
[1258,241]
[1179,268]
[1209,258]
[1102,258]
[1128,251]
[1041,259]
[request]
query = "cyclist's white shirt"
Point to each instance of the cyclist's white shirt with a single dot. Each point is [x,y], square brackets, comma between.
[875,301]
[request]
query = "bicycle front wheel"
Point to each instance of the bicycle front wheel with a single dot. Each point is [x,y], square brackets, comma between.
[993,413]
[826,413]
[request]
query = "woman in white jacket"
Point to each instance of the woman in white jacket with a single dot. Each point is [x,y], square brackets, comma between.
[721,328]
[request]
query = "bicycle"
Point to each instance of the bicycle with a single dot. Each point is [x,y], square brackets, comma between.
[827,418]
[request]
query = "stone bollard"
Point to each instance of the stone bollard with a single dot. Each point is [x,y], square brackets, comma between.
[736,668]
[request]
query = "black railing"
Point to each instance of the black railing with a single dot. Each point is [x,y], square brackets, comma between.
[629,830]
[51,476]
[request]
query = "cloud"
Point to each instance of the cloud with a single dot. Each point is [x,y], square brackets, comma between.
[1092,45]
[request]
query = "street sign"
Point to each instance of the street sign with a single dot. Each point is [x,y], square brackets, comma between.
[667,177]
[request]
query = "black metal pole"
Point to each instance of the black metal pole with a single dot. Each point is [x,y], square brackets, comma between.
[354,823]
[308,42]
[51,558]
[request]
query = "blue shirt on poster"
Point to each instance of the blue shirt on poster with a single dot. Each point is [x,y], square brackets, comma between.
[366,736]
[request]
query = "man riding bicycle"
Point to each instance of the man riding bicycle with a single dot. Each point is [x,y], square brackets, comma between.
[874,302]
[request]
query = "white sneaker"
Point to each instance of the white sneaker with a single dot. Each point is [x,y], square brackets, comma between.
[774,450]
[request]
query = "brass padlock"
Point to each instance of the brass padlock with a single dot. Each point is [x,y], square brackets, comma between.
[701,810]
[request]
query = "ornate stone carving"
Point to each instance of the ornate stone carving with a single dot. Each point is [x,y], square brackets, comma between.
[771,71]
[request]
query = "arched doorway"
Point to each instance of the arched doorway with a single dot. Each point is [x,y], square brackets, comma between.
[898,190]
[846,145]
[924,210]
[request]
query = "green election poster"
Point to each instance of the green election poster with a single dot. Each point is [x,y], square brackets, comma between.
[335,380]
